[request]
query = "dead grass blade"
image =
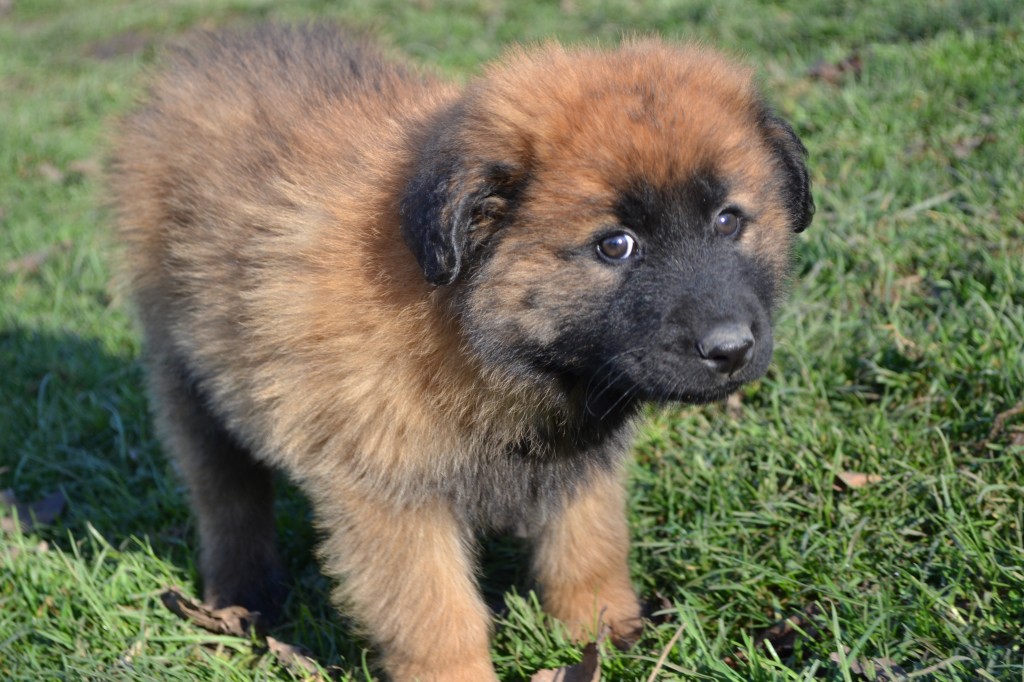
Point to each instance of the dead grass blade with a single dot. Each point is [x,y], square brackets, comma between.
[664,653]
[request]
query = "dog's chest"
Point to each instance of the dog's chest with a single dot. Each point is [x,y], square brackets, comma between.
[520,482]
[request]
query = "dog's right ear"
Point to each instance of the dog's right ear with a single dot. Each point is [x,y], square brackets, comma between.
[453,191]
[792,158]
[436,215]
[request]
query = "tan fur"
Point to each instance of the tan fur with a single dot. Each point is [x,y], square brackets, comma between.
[288,324]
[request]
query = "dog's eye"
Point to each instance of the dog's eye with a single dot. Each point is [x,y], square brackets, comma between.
[618,246]
[728,223]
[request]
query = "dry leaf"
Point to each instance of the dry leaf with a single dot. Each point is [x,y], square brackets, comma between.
[294,658]
[86,167]
[965,146]
[31,262]
[734,405]
[834,73]
[658,609]
[50,172]
[136,648]
[587,670]
[852,480]
[999,425]
[877,669]
[783,635]
[14,551]
[30,516]
[240,622]
[231,620]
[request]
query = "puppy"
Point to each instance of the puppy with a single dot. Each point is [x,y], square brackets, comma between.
[438,309]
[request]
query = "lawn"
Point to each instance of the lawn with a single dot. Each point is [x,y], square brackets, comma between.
[870,489]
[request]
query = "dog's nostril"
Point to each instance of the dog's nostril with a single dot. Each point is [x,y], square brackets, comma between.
[727,349]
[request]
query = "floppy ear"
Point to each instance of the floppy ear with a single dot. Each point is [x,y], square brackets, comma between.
[454,191]
[792,156]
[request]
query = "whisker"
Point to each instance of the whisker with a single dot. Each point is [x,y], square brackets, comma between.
[608,381]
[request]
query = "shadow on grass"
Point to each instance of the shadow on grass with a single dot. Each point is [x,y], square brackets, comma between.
[76,422]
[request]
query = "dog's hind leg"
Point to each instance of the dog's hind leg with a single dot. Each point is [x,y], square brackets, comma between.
[232,495]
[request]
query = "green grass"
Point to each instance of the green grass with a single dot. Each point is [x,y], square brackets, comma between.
[901,344]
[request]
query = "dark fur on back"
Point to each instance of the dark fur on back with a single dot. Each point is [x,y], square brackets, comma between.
[439,309]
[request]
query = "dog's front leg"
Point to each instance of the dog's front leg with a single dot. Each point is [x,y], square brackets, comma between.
[581,561]
[407,577]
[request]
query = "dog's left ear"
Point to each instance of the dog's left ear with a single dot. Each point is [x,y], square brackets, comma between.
[454,194]
[792,157]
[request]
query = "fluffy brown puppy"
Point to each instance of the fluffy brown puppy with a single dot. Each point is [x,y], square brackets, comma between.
[438,309]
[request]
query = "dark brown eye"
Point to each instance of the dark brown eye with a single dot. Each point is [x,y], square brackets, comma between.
[618,246]
[727,223]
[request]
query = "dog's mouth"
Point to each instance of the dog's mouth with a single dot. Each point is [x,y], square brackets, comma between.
[690,395]
[663,376]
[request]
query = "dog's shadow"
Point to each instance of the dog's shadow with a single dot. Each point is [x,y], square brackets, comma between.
[76,422]
[77,427]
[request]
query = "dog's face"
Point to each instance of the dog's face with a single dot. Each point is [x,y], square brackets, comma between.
[620,220]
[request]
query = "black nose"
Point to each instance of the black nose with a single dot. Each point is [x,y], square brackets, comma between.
[727,349]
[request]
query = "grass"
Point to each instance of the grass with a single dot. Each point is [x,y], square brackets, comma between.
[902,343]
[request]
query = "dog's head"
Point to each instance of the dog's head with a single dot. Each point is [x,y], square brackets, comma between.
[622,219]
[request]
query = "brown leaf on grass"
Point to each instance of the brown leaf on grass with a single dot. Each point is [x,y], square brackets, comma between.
[1017,438]
[240,622]
[587,670]
[734,405]
[834,73]
[784,635]
[31,262]
[50,172]
[294,658]
[876,669]
[965,146]
[29,516]
[658,609]
[13,551]
[999,425]
[86,167]
[851,480]
[231,620]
